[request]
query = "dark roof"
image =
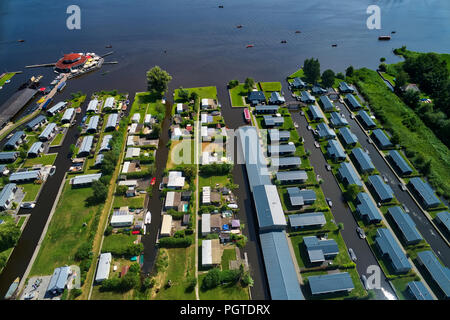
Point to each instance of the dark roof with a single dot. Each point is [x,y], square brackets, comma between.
[256,96]
[328,283]
[439,273]
[276,97]
[400,162]
[343,86]
[298,197]
[292,175]
[15,138]
[306,97]
[318,90]
[281,274]
[367,120]
[363,160]
[349,174]
[418,290]
[298,83]
[307,219]
[271,121]
[12,155]
[367,208]
[39,119]
[325,131]
[391,248]
[327,105]
[354,104]
[383,190]
[337,120]
[319,249]
[382,138]
[444,218]
[405,224]
[425,192]
[335,150]
[286,161]
[261,108]
[315,112]
[348,136]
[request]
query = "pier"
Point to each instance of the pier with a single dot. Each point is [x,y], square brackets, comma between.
[41,65]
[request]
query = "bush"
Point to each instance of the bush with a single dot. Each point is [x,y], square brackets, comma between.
[191,283]
[108,230]
[171,242]
[232,84]
[83,252]
[212,279]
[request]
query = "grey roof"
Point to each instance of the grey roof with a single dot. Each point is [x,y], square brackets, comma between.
[349,174]
[276,135]
[59,279]
[367,209]
[307,97]
[68,114]
[327,105]
[99,159]
[405,224]
[15,138]
[85,178]
[281,274]
[39,119]
[45,134]
[292,175]
[400,162]
[363,160]
[272,121]
[256,96]
[56,108]
[92,106]
[298,83]
[268,207]
[444,218]
[318,250]
[286,161]
[354,104]
[325,131]
[105,143]
[348,136]
[439,273]
[12,155]
[281,148]
[382,138]
[86,144]
[335,150]
[315,112]
[343,86]
[104,265]
[93,123]
[35,148]
[329,283]
[389,247]
[425,192]
[109,102]
[25,175]
[337,120]
[318,90]
[112,120]
[299,197]
[307,219]
[367,120]
[419,291]
[6,194]
[383,190]
[276,97]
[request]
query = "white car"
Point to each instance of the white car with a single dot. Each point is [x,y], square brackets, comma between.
[296,124]
[352,254]
[27,205]
[316,144]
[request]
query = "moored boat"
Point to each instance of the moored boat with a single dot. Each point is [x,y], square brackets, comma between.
[384,38]
[12,289]
[148,217]
[247,115]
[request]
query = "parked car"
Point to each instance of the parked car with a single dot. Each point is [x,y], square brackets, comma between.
[352,116]
[369,140]
[316,144]
[385,179]
[28,205]
[309,128]
[328,167]
[153,181]
[330,203]
[296,124]
[338,108]
[302,112]
[361,232]
[405,208]
[352,254]
[402,186]
[364,281]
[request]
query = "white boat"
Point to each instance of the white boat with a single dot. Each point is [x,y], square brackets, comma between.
[145,229]
[148,217]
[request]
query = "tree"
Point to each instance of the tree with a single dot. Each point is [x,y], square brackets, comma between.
[9,235]
[426,168]
[351,192]
[328,78]
[158,80]
[100,191]
[121,190]
[72,148]
[349,71]
[249,84]
[311,69]
[232,84]
[395,139]
[83,252]
[183,94]
[382,59]
[212,279]
[382,67]
[194,96]
[401,79]
[340,226]
[340,75]
[412,99]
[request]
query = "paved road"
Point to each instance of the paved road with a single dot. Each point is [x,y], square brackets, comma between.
[428,231]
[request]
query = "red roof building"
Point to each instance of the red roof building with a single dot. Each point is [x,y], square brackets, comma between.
[69,62]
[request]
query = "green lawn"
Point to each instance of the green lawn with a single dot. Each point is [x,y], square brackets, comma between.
[57,140]
[31,189]
[211,181]
[223,292]
[299,73]
[117,242]
[238,95]
[66,232]
[203,93]
[132,202]
[45,159]
[227,256]
[270,86]
[6,77]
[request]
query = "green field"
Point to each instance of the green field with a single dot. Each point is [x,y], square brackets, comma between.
[45,159]
[6,77]
[227,256]
[57,140]
[66,232]
[132,202]
[203,93]
[31,189]
[270,86]
[223,292]
[117,242]
[238,95]
[211,181]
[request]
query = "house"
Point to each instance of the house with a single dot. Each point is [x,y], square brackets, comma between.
[326,103]
[105,143]
[362,160]
[268,208]
[256,97]
[211,255]
[122,220]
[381,139]
[85,179]
[424,192]
[15,141]
[443,218]
[206,195]
[56,108]
[173,200]
[180,108]
[406,225]
[48,132]
[206,224]
[35,149]
[315,113]
[281,149]
[331,283]
[86,146]
[109,104]
[68,115]
[235,224]
[345,88]
[132,152]
[320,250]
[324,131]
[276,98]
[280,270]
[348,137]
[112,121]
[266,109]
[276,135]
[335,151]
[93,124]
[8,157]
[367,209]
[208,104]
[175,180]
[352,102]
[289,177]
[286,162]
[306,97]
[382,190]
[399,163]
[104,266]
[318,90]
[7,196]
[298,83]
[418,291]
[36,122]
[58,281]
[136,117]
[410,86]
[271,121]
[215,223]
[337,120]
[392,251]
[166,225]
[348,175]
[305,220]
[25,176]
[186,219]
[92,106]
[300,197]
[366,119]
[148,119]
[439,273]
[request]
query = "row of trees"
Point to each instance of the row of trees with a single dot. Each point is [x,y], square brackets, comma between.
[311,69]
[216,277]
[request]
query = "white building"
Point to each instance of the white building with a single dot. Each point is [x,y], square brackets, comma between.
[104,266]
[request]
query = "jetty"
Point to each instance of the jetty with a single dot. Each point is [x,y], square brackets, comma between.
[41,65]
[14,104]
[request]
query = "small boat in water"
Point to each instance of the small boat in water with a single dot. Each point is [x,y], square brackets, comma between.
[12,289]
[297,31]
[148,217]
[384,38]
[239,26]
[108,46]
[283,41]
[334,45]
[144,229]
[221,6]
[249,46]
[20,40]
[393,31]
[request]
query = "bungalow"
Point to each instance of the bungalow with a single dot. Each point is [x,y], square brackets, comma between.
[175,180]
[36,122]
[335,151]
[331,283]
[15,141]
[58,281]
[56,108]
[345,88]
[289,177]
[136,117]
[298,83]
[424,192]
[326,104]
[211,253]
[306,97]
[353,103]
[381,139]
[92,106]
[286,162]
[7,196]
[362,160]
[99,160]
[25,176]
[320,250]
[304,220]
[366,119]
[443,218]
[256,97]
[300,197]
[276,98]
[382,190]
[35,149]
[348,137]
[8,157]
[392,251]
[281,149]
[111,123]
[324,131]
[109,103]
[337,120]
[122,220]
[399,163]
[271,121]
[104,266]
[68,115]
[180,108]
[406,225]
[173,200]
[367,209]
[86,146]
[348,175]
[93,124]
[105,143]
[266,109]
[206,224]
[315,113]
[166,225]
[276,135]
[318,90]
[48,132]
[208,104]
[85,179]
[132,152]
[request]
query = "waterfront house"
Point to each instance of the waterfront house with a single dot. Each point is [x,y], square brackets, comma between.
[335,151]
[345,88]
[256,97]
[348,137]
[381,139]
[326,104]
[15,141]
[392,251]
[35,149]
[56,108]
[93,124]
[8,157]
[7,196]
[353,102]
[276,98]
[367,209]
[36,122]
[68,115]
[330,283]
[25,176]
[306,97]
[48,132]
[319,250]
[298,83]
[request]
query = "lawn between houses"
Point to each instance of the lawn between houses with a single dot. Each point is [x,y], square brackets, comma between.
[6,77]
[238,95]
